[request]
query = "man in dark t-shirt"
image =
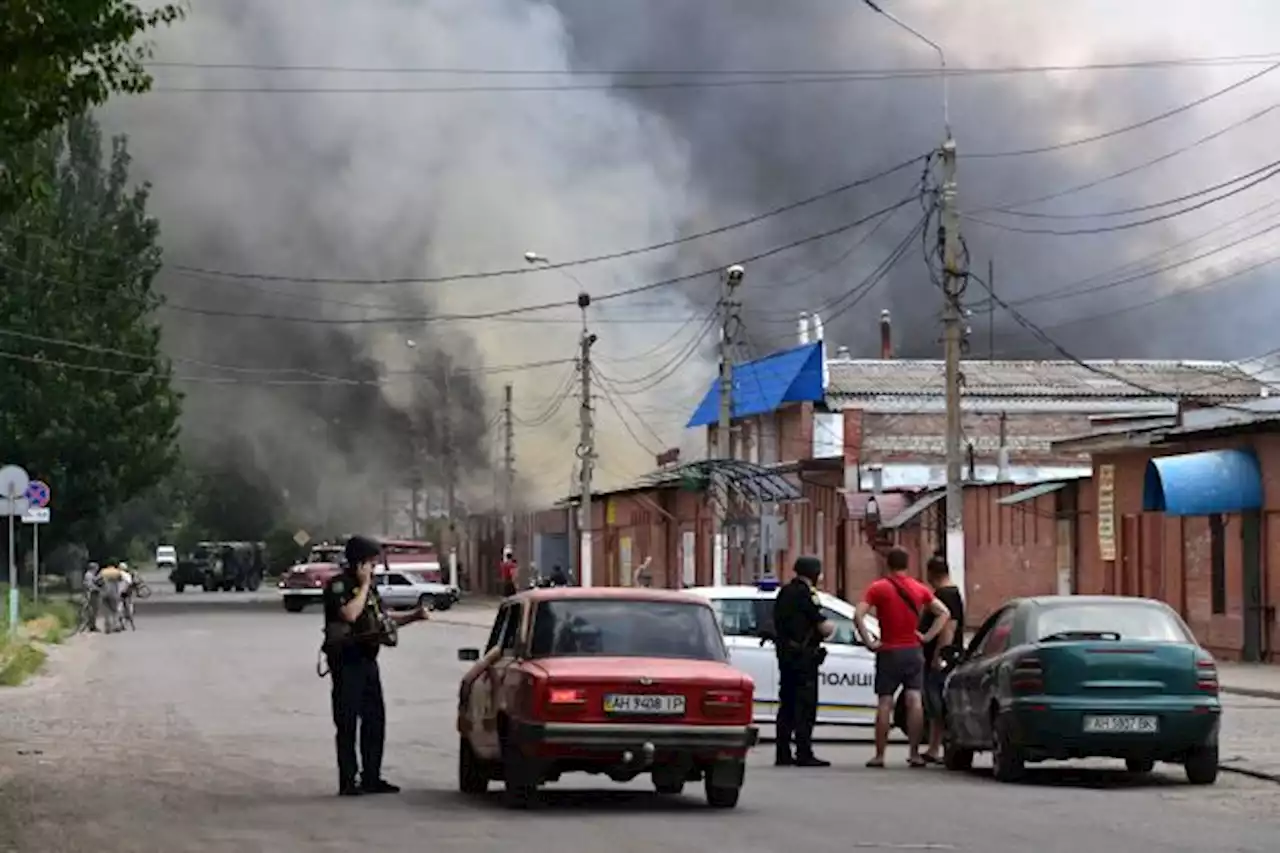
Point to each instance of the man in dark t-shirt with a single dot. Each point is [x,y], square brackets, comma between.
[940,652]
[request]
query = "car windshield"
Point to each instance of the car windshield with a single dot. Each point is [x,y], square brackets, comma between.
[1120,621]
[650,629]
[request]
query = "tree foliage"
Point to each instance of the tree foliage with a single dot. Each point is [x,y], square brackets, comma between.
[89,405]
[59,58]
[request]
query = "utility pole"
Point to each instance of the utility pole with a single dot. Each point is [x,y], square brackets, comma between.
[953,288]
[586,448]
[450,476]
[724,427]
[508,467]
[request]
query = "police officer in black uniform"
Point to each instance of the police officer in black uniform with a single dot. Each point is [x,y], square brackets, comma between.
[356,627]
[800,629]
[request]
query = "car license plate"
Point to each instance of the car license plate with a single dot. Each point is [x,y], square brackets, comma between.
[621,703]
[1122,725]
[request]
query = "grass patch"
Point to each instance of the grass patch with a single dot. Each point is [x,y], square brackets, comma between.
[19,661]
[49,621]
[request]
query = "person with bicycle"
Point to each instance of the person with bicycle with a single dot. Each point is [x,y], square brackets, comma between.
[110,580]
[128,584]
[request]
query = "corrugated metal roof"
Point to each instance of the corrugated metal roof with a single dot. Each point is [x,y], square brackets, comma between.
[1039,379]
[1030,494]
[913,511]
[765,384]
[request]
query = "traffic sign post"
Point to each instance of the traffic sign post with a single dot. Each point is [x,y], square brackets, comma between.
[38,495]
[13,487]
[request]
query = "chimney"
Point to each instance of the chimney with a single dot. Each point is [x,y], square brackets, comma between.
[1002,454]
[886,335]
[804,328]
[842,352]
[816,321]
[822,348]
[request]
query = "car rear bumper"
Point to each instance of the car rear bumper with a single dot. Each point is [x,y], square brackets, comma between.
[615,737]
[1054,728]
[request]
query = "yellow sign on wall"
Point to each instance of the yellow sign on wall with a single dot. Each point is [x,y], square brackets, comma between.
[611,513]
[1107,512]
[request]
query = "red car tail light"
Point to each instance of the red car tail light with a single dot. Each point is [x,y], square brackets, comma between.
[1027,675]
[719,703]
[1207,676]
[563,697]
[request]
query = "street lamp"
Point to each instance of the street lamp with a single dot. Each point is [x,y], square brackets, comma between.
[942,58]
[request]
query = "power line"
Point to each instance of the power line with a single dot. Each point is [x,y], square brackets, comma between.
[1125,226]
[609,399]
[1098,137]
[1012,207]
[875,73]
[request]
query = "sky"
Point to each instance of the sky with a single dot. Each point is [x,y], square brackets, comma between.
[649,121]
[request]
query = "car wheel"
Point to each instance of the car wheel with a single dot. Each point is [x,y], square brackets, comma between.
[1006,759]
[443,602]
[956,757]
[1202,765]
[209,586]
[473,776]
[1139,765]
[179,587]
[670,787]
[719,797]
[520,790]
[427,601]
[294,605]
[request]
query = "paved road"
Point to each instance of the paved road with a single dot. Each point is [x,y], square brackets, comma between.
[207,730]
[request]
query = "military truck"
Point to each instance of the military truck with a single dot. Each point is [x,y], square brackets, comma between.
[221,566]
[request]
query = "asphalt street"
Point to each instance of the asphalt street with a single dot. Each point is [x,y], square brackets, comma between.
[208,730]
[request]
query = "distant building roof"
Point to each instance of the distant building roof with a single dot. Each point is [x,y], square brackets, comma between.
[864,378]
[760,386]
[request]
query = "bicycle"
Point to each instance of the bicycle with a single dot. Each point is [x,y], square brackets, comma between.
[139,590]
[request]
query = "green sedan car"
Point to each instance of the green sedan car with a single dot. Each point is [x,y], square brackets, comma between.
[1064,677]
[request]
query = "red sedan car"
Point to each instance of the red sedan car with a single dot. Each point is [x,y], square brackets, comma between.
[619,682]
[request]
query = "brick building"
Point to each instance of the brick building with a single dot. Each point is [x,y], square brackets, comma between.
[841,430]
[1188,511]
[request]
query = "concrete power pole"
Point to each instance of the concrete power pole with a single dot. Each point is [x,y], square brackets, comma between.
[586,449]
[724,427]
[450,477]
[953,287]
[508,468]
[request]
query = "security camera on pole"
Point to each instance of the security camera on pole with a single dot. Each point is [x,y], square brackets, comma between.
[952,317]
[13,502]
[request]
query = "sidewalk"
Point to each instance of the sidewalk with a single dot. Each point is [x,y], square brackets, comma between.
[1259,680]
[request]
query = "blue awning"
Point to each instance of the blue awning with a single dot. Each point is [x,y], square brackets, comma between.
[1208,483]
[760,386]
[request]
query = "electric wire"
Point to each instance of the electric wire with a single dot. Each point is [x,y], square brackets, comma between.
[607,394]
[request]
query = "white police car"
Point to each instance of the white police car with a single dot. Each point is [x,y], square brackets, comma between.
[846,691]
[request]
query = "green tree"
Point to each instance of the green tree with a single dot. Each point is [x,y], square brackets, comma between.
[59,58]
[89,405]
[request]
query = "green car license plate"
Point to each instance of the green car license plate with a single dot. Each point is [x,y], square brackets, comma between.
[1121,724]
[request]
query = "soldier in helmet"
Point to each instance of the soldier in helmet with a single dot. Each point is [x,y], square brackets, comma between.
[356,627]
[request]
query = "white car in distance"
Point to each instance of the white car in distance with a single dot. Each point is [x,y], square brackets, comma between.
[846,680]
[400,589]
[166,557]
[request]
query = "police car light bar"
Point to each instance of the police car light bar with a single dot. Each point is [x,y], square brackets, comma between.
[767,584]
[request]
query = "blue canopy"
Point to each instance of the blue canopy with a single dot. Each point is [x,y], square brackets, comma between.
[790,376]
[1208,483]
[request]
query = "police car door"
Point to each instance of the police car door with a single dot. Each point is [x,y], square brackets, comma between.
[740,622]
[846,681]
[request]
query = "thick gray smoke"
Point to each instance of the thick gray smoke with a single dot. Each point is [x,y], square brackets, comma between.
[756,146]
[384,186]
[413,184]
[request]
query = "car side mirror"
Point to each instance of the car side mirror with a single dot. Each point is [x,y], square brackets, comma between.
[469,655]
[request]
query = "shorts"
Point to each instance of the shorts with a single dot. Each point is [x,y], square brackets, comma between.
[899,668]
[934,703]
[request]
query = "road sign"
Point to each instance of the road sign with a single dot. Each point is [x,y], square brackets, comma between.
[38,493]
[13,484]
[36,515]
[302,537]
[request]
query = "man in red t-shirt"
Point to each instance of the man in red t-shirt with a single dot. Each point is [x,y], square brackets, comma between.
[897,600]
[509,568]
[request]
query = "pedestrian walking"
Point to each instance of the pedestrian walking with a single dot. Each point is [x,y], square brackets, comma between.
[940,653]
[92,597]
[509,570]
[356,628]
[898,600]
[800,629]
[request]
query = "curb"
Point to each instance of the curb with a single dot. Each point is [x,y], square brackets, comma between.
[1252,692]
[1254,774]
